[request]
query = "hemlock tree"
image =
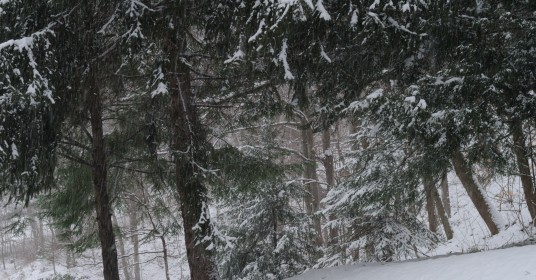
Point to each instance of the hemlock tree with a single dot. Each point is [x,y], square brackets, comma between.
[72,87]
[464,94]
[174,32]
[260,200]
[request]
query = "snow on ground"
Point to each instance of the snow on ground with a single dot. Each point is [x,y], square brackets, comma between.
[470,235]
[516,263]
[470,231]
[89,267]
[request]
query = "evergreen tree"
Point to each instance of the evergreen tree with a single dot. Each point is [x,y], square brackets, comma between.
[270,236]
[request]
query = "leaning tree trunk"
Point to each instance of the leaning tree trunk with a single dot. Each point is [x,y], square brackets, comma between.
[465,173]
[99,173]
[521,153]
[439,207]
[189,151]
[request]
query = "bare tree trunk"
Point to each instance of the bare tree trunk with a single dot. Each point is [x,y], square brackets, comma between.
[465,173]
[441,213]
[133,221]
[3,251]
[99,174]
[124,259]
[53,249]
[312,198]
[164,249]
[430,205]
[14,253]
[330,179]
[338,143]
[520,150]
[445,194]
[35,231]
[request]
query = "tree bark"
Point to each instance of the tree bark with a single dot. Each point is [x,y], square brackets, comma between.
[430,205]
[189,148]
[194,210]
[313,195]
[35,231]
[441,212]
[165,251]
[521,152]
[124,259]
[133,224]
[53,249]
[465,173]
[99,174]
[330,180]
[312,198]
[445,194]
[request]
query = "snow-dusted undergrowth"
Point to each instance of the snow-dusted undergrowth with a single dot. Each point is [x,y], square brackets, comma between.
[449,260]
[470,235]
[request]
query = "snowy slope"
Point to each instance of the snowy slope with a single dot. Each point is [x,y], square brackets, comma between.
[505,264]
[470,231]
[470,235]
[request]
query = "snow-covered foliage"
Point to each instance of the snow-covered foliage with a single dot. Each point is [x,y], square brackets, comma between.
[271,237]
[26,97]
[174,109]
[378,205]
[261,212]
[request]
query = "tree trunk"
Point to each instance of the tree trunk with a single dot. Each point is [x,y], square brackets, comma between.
[430,205]
[520,150]
[164,249]
[99,174]
[445,194]
[53,249]
[465,173]
[338,144]
[3,251]
[14,253]
[189,153]
[330,180]
[35,231]
[441,213]
[187,147]
[133,224]
[312,198]
[124,259]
